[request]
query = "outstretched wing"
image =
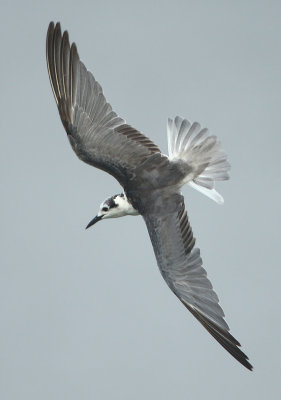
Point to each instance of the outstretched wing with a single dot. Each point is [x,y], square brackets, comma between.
[181,267]
[97,134]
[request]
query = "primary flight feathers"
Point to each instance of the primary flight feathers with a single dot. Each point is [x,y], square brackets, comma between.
[97,134]
[151,180]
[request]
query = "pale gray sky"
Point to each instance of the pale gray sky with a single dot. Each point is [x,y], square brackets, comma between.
[86,314]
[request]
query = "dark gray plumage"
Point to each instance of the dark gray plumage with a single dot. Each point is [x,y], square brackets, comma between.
[151,180]
[97,134]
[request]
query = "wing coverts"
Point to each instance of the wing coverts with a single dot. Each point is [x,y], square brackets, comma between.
[97,134]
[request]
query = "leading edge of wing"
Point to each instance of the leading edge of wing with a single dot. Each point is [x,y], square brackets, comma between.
[97,134]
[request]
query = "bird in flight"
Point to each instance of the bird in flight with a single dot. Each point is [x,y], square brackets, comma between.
[151,180]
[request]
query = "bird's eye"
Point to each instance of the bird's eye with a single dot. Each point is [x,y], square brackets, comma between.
[104,209]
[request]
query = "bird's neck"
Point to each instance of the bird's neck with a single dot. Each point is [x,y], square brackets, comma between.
[125,207]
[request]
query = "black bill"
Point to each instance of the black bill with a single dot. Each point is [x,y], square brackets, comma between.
[94,220]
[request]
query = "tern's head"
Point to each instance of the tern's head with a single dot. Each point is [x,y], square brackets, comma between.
[113,207]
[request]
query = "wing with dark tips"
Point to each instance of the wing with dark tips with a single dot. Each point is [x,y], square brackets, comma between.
[97,134]
[181,267]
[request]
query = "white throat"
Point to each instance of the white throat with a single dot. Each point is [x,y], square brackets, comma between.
[124,207]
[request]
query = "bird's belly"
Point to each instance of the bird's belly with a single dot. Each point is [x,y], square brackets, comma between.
[157,173]
[155,183]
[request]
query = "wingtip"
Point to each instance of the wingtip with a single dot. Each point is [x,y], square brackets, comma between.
[223,337]
[58,29]
[54,28]
[50,33]
[51,25]
[246,363]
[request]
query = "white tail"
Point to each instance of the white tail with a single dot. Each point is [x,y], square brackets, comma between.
[189,143]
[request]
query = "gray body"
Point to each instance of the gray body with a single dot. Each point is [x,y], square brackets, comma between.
[150,179]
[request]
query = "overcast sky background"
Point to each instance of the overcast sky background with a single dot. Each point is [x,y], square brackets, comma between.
[86,314]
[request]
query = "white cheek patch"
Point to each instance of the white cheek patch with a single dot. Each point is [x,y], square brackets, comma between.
[123,207]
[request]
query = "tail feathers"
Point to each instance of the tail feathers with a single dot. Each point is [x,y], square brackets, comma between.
[189,143]
[211,193]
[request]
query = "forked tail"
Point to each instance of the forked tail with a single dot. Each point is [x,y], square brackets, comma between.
[191,144]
